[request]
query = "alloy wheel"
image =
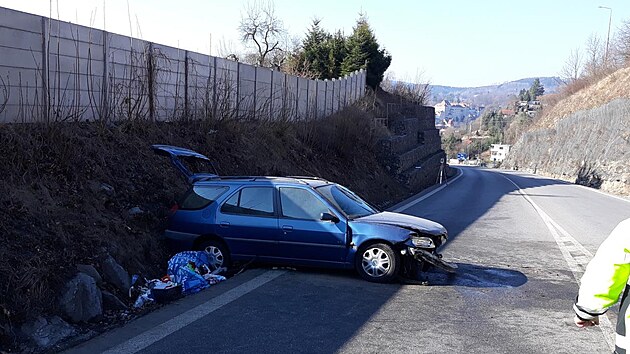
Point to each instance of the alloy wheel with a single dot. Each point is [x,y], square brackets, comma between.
[215,257]
[376,262]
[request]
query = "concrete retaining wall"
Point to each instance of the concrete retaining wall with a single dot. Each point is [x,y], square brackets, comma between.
[53,71]
[415,154]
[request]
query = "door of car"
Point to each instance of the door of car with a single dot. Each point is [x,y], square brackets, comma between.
[303,233]
[248,222]
[192,165]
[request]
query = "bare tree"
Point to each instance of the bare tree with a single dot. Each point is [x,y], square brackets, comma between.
[594,56]
[262,29]
[227,50]
[622,42]
[572,67]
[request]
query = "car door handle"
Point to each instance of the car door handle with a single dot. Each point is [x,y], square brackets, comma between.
[287,228]
[224,224]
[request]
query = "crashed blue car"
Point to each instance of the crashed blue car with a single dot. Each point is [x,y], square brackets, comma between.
[301,221]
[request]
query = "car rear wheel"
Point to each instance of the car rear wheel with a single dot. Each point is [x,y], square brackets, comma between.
[377,263]
[218,254]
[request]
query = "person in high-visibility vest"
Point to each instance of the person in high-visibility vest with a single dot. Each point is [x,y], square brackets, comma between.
[605,280]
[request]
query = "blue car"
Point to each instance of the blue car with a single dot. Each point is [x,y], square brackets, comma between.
[304,221]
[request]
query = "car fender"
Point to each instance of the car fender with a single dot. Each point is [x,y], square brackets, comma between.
[364,233]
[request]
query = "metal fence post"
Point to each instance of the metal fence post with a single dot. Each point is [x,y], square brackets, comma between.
[325,97]
[238,89]
[186,111]
[214,90]
[45,72]
[255,89]
[271,96]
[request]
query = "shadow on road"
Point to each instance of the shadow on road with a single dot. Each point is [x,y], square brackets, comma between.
[460,205]
[468,275]
[476,276]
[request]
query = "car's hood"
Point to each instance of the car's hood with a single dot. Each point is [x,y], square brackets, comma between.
[403,220]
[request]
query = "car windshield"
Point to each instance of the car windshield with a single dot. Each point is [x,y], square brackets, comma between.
[346,201]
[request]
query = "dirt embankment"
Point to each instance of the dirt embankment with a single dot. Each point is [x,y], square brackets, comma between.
[584,138]
[58,210]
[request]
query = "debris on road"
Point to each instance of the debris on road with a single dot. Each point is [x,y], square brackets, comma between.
[188,273]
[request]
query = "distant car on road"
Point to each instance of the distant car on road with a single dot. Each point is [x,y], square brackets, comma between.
[298,221]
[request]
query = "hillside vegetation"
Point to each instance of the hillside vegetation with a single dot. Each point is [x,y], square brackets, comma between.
[583,138]
[613,86]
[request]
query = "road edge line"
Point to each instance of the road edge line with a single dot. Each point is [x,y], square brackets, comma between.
[161,331]
[606,326]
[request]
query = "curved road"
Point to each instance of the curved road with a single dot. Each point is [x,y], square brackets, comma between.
[521,242]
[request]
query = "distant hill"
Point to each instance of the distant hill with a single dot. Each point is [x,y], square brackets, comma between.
[489,95]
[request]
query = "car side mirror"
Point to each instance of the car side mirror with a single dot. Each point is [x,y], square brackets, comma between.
[329,217]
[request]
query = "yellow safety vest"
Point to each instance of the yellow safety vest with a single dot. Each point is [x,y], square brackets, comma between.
[604,281]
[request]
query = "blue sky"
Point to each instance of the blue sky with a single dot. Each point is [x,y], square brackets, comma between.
[452,42]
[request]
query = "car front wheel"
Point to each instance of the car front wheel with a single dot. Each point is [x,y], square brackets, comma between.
[218,254]
[377,263]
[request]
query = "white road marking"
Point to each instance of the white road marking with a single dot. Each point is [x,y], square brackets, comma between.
[576,256]
[416,201]
[161,331]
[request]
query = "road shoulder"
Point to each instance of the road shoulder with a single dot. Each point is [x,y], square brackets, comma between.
[139,326]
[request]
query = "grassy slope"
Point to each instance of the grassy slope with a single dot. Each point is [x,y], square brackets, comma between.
[613,86]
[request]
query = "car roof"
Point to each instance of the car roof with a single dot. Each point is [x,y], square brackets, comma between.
[313,182]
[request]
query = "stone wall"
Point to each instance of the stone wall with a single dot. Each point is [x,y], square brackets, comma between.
[589,147]
[415,153]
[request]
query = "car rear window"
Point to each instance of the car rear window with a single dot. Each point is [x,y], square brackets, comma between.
[199,197]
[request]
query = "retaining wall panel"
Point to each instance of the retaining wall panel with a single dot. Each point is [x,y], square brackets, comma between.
[70,31]
[68,65]
[11,77]
[21,58]
[69,48]
[117,41]
[19,39]
[20,20]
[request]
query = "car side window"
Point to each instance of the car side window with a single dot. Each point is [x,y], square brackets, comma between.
[199,197]
[299,203]
[255,201]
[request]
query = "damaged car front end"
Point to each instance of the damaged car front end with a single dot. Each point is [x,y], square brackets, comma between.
[414,240]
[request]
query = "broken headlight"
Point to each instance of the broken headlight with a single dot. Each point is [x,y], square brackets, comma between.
[422,242]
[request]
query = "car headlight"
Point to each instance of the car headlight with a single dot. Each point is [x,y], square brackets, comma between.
[422,242]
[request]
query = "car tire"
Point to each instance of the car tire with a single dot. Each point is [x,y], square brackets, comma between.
[218,254]
[377,263]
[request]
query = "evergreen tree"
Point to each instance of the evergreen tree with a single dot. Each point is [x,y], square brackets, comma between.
[364,52]
[536,89]
[524,95]
[314,55]
[336,46]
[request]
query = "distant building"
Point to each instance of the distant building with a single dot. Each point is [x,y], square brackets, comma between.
[528,107]
[507,112]
[457,112]
[498,152]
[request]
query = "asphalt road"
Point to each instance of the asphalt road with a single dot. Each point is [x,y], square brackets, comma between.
[521,243]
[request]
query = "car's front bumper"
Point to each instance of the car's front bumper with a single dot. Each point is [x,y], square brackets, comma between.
[432,258]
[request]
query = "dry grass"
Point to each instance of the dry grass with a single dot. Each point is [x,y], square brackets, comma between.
[587,96]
